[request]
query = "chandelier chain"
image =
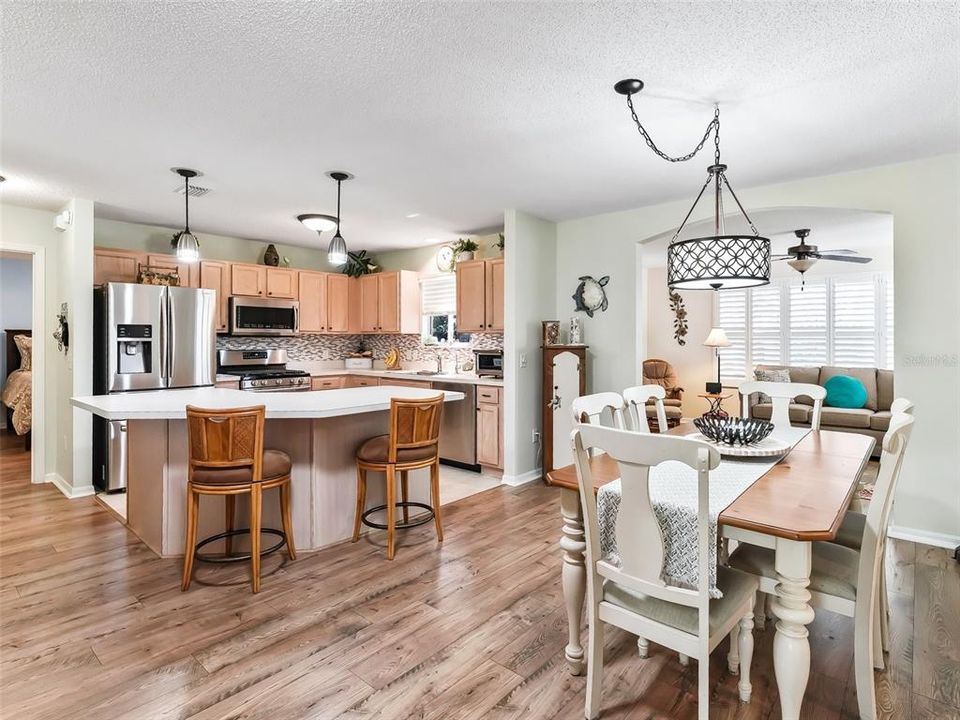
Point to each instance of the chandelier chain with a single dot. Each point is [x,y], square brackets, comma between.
[712,127]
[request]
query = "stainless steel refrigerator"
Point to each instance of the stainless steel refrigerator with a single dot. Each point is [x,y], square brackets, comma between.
[146,337]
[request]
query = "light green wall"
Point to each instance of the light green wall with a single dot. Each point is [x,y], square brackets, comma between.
[424,259]
[156,239]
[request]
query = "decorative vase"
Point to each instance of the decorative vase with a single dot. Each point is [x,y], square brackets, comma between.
[270,256]
[576,331]
[465,255]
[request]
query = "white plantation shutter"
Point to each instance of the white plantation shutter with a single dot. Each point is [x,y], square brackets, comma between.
[766,337]
[807,331]
[732,317]
[438,294]
[886,293]
[855,327]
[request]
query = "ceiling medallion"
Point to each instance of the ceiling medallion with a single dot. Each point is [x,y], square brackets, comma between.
[716,262]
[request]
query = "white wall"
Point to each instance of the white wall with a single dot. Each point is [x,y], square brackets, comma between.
[531,271]
[16,303]
[424,259]
[924,198]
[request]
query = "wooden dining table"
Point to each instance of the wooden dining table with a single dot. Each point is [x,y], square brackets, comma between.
[800,500]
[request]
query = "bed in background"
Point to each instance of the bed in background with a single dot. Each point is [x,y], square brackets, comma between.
[17,392]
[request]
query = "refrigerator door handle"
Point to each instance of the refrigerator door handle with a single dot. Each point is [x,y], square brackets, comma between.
[164,374]
[170,338]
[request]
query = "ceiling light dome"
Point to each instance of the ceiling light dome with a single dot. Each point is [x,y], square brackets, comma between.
[318,222]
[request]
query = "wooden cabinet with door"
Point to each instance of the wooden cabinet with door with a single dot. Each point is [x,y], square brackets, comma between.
[282,283]
[480,295]
[337,302]
[189,272]
[564,379]
[111,265]
[390,303]
[248,280]
[215,275]
[489,427]
[313,303]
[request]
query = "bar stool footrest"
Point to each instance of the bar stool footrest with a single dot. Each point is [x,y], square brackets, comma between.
[237,558]
[399,525]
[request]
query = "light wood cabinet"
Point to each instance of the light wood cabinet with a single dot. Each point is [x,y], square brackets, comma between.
[390,302]
[189,272]
[111,265]
[215,275]
[328,382]
[228,384]
[426,384]
[480,295]
[313,303]
[337,303]
[248,280]
[282,283]
[489,427]
[362,381]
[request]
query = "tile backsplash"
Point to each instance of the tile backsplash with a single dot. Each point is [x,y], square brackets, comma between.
[315,348]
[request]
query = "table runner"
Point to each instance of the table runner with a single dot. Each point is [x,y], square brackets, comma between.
[673,494]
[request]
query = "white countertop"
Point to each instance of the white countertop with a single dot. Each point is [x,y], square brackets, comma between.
[171,404]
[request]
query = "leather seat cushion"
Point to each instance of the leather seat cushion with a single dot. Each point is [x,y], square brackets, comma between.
[737,588]
[833,572]
[376,450]
[880,420]
[276,463]
[798,413]
[846,417]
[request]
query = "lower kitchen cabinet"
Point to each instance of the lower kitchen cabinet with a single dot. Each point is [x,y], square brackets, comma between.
[362,381]
[328,382]
[406,383]
[489,427]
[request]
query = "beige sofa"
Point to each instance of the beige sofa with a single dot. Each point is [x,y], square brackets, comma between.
[873,419]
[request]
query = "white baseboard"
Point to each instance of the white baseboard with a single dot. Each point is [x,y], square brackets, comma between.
[924,537]
[527,477]
[66,488]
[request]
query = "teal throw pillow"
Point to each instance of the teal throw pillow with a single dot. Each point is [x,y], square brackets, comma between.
[844,391]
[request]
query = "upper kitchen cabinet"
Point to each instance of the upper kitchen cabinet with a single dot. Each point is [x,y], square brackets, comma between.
[249,280]
[390,302]
[282,283]
[324,302]
[189,273]
[480,293]
[215,275]
[110,265]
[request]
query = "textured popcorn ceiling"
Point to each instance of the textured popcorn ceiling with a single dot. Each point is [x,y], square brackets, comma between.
[453,110]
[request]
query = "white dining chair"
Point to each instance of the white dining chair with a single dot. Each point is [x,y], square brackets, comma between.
[632,595]
[844,580]
[590,409]
[850,535]
[636,398]
[782,395]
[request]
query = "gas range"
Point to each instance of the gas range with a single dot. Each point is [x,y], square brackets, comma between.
[262,370]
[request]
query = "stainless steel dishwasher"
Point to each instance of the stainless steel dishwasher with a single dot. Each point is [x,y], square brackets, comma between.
[458,432]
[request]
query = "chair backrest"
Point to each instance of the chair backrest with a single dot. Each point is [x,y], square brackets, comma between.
[782,394]
[640,541]
[901,405]
[589,408]
[414,423]
[226,439]
[878,515]
[635,399]
[660,372]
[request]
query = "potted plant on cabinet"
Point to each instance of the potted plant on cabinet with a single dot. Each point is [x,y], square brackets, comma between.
[464,249]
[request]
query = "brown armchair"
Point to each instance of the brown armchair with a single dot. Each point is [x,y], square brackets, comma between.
[660,372]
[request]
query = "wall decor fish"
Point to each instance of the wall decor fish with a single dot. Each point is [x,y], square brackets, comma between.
[590,295]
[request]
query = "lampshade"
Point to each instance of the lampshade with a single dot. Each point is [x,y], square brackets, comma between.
[717,338]
[188,248]
[317,222]
[719,261]
[337,251]
[801,265]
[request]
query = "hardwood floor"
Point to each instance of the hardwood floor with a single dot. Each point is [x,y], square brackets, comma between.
[93,625]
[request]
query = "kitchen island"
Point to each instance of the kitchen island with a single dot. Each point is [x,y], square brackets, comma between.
[319,430]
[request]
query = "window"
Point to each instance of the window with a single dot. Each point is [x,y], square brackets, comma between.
[438,308]
[845,320]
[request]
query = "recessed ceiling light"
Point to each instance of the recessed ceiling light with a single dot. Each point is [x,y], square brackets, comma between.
[413,215]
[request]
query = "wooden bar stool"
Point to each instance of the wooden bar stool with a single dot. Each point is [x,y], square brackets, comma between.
[413,443]
[227,458]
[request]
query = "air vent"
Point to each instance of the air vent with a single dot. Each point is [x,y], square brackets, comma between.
[195,190]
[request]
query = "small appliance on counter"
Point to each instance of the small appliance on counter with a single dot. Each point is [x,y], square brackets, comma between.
[145,337]
[489,363]
[262,370]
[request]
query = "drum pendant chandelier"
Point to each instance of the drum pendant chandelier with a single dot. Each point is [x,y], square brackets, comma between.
[720,261]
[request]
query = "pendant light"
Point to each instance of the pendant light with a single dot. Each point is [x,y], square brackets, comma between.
[186,243]
[337,252]
[721,260]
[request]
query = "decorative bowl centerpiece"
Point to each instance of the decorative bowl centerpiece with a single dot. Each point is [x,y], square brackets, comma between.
[734,431]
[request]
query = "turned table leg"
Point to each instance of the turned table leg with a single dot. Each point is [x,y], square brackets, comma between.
[791,648]
[574,575]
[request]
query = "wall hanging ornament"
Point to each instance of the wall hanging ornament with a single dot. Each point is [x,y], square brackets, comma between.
[590,295]
[722,260]
[62,333]
[679,318]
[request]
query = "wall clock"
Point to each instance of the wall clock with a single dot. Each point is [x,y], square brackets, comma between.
[445,258]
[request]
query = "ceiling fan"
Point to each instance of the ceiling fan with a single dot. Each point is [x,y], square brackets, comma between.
[802,257]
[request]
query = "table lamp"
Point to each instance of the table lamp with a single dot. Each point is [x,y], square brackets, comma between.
[716,339]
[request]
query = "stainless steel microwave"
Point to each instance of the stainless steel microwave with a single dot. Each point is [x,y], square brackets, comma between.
[264,316]
[489,363]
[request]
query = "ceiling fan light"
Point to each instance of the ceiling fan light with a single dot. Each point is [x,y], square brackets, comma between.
[318,222]
[801,265]
[337,251]
[188,247]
